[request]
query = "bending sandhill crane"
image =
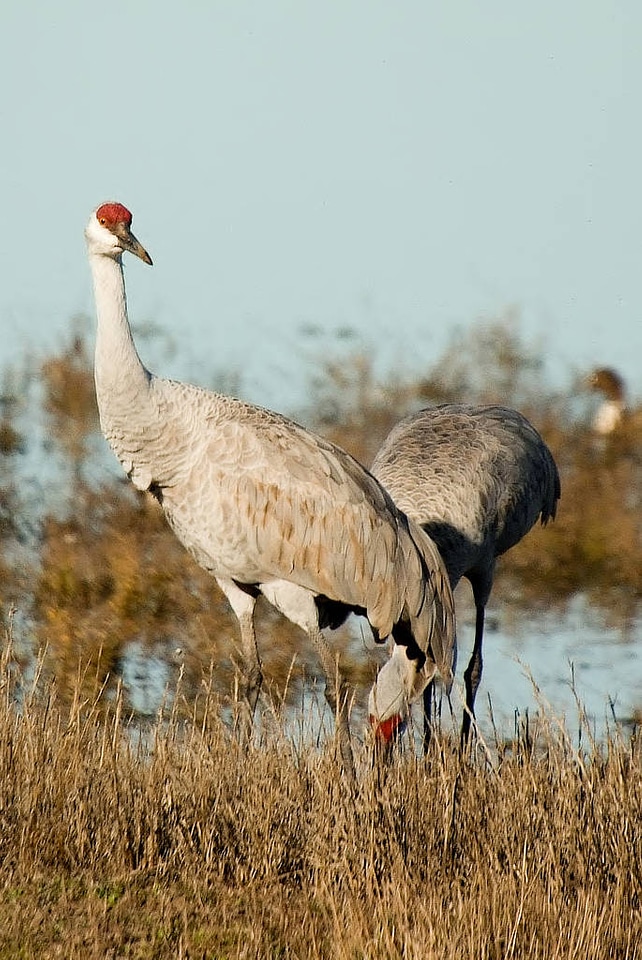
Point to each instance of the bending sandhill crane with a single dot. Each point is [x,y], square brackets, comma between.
[476,479]
[268,507]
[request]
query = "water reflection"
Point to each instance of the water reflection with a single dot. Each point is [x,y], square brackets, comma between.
[146,676]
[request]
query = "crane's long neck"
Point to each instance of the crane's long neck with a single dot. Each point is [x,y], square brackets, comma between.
[121,378]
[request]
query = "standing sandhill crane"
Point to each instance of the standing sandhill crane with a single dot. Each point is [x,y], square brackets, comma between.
[476,479]
[267,507]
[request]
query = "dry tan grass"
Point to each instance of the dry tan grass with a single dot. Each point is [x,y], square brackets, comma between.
[190,844]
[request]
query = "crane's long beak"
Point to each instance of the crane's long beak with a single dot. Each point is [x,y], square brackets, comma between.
[138,249]
[131,244]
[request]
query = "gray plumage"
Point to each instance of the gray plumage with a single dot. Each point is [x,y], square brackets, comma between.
[263,504]
[476,479]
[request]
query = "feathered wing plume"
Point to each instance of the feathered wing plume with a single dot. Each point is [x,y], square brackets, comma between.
[425,642]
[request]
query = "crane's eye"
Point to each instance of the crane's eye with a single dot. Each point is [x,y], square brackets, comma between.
[102,220]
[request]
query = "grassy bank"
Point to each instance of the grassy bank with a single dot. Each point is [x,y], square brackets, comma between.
[186,843]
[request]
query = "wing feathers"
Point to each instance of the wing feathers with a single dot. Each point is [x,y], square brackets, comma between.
[258,497]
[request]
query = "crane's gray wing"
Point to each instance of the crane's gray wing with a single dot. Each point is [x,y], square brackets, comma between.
[271,500]
[484,470]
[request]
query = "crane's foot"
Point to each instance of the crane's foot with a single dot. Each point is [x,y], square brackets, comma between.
[246,700]
[338,702]
[347,762]
[466,736]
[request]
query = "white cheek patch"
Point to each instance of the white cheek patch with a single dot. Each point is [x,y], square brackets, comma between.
[398,684]
[390,692]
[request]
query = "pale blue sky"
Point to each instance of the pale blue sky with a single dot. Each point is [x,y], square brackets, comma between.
[399,167]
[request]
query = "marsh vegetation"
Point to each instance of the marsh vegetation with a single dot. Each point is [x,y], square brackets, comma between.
[91,567]
[164,836]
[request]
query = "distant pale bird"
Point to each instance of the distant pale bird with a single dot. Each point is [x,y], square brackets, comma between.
[268,507]
[611,413]
[476,479]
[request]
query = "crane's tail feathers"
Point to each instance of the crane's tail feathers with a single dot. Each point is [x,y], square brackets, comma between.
[423,631]
[413,601]
[429,604]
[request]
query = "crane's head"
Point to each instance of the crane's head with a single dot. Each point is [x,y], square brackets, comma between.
[399,683]
[109,233]
[388,709]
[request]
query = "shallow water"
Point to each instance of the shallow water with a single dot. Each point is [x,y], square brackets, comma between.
[557,662]
[533,662]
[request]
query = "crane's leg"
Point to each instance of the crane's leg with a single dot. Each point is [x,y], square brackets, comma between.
[243,603]
[428,698]
[297,604]
[472,676]
[337,695]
